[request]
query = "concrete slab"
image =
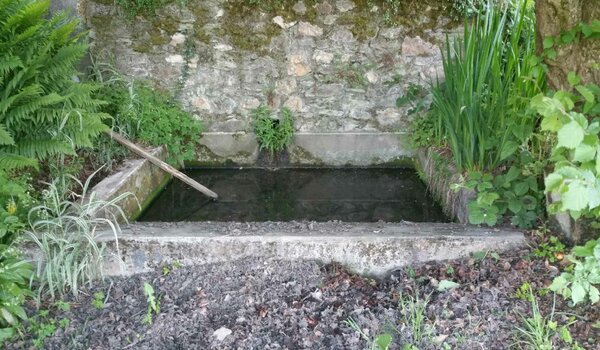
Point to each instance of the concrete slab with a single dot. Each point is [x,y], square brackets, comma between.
[310,149]
[371,249]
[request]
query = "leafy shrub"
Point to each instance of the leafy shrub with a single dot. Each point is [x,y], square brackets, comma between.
[576,155]
[578,285]
[490,74]
[146,115]
[43,111]
[14,288]
[273,134]
[511,192]
[65,228]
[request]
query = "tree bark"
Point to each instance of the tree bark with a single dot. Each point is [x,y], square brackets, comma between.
[556,16]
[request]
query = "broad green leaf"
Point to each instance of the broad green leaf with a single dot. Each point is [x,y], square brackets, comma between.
[570,135]
[567,37]
[586,93]
[552,181]
[548,42]
[445,285]
[508,149]
[6,334]
[515,205]
[594,294]
[551,54]
[573,78]
[559,283]
[584,153]
[577,293]
[551,123]
[575,198]
[521,188]
[383,341]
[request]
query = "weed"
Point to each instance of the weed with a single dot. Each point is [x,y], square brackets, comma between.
[153,303]
[273,133]
[63,305]
[413,315]
[380,342]
[98,301]
[552,250]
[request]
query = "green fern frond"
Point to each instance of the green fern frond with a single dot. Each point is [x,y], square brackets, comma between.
[5,138]
[10,161]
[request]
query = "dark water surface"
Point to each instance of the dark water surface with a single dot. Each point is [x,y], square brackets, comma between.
[323,194]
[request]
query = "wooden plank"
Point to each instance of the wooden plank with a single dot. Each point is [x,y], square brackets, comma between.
[164,166]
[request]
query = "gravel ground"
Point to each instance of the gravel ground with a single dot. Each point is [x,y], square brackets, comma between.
[271,304]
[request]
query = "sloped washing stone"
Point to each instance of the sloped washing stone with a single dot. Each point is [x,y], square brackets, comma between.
[367,248]
[140,178]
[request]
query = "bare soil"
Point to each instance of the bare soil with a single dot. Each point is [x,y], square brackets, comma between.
[270,304]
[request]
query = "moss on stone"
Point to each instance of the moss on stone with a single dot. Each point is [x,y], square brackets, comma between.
[104,2]
[363,26]
[167,23]
[142,46]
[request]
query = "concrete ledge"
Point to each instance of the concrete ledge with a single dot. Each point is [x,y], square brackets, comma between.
[136,176]
[372,249]
[440,175]
[310,149]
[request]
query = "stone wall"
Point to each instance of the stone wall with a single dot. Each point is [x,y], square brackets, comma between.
[338,65]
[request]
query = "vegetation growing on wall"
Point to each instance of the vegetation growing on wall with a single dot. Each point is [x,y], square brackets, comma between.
[147,115]
[274,132]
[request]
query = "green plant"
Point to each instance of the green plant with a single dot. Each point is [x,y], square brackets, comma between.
[578,285]
[146,115]
[41,327]
[480,109]
[537,331]
[415,97]
[135,8]
[15,274]
[66,228]
[576,155]
[44,110]
[413,314]
[551,250]
[380,342]
[511,192]
[274,134]
[153,303]
[98,301]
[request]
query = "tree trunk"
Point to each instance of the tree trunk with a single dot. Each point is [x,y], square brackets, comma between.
[556,16]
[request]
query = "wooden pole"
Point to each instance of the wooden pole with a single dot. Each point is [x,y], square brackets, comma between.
[164,166]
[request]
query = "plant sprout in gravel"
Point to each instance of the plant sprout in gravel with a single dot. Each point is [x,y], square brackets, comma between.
[274,133]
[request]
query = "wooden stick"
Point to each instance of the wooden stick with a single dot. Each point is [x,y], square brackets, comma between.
[164,166]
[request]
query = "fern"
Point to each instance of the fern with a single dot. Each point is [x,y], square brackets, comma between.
[44,111]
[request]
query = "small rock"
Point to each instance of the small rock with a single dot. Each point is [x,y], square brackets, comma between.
[174,59]
[299,8]
[221,333]
[418,47]
[220,13]
[202,103]
[177,39]
[281,22]
[298,67]
[344,5]
[322,57]
[307,29]
[294,103]
[371,77]
[223,47]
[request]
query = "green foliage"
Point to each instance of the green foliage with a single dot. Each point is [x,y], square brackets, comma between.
[510,193]
[551,250]
[573,35]
[44,111]
[147,8]
[274,134]
[543,332]
[414,97]
[98,301]
[15,274]
[153,303]
[146,115]
[578,285]
[65,228]
[576,155]
[380,342]
[480,109]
